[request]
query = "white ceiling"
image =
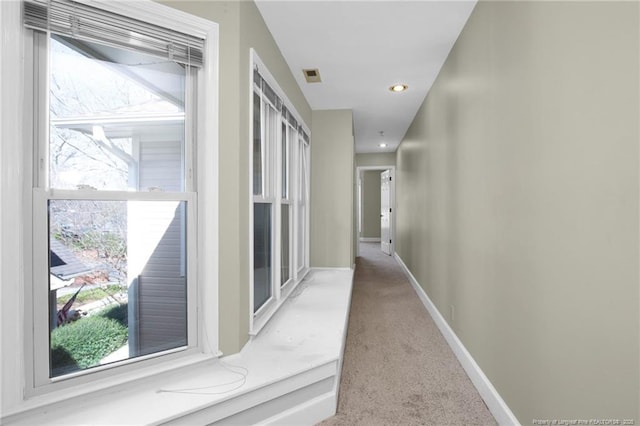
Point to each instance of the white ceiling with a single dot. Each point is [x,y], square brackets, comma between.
[361,48]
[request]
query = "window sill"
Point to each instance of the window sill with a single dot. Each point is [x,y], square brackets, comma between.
[263,317]
[302,344]
[98,388]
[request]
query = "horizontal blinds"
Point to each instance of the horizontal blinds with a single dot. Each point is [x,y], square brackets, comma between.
[273,97]
[289,118]
[305,137]
[267,91]
[88,23]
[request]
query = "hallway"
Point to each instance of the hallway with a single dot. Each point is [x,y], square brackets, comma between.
[398,369]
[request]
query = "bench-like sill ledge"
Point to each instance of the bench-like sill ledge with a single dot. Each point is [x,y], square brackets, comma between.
[302,344]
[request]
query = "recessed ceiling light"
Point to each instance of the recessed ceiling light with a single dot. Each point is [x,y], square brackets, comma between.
[382,145]
[398,88]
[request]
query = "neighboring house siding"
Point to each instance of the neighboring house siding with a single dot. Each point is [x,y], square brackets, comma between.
[161,285]
[161,164]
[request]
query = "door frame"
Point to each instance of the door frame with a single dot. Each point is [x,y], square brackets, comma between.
[392,202]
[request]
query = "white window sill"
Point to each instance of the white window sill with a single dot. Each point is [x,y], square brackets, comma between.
[97,388]
[262,317]
[306,334]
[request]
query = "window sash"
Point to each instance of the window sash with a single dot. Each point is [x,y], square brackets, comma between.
[43,122]
[269,131]
[41,346]
[88,23]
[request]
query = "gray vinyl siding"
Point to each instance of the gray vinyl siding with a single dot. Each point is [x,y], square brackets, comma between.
[161,165]
[161,293]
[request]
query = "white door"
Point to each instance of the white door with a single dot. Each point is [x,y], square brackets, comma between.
[385,212]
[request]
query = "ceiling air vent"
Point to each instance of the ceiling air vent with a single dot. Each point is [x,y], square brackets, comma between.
[312,75]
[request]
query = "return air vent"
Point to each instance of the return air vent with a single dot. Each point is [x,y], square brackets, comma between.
[312,75]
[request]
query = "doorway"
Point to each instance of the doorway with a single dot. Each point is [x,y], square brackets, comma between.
[369,208]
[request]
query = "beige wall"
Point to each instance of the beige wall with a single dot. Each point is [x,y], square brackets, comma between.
[525,154]
[241,28]
[370,187]
[376,159]
[332,162]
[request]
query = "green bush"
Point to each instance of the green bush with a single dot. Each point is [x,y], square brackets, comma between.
[85,342]
[119,313]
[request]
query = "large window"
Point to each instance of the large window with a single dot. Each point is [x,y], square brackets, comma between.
[279,196]
[115,194]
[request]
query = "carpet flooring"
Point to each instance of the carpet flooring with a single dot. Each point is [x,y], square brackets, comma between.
[398,369]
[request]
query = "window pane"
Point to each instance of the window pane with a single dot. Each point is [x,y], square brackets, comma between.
[117,281]
[262,271]
[257,146]
[285,244]
[301,235]
[270,145]
[285,165]
[116,123]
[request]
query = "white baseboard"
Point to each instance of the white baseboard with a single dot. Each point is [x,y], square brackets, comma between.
[369,239]
[489,394]
[328,268]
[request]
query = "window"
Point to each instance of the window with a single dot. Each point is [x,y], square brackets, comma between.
[279,197]
[117,190]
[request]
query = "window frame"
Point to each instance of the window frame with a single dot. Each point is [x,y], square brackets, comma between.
[303,182]
[269,149]
[280,291]
[286,145]
[200,194]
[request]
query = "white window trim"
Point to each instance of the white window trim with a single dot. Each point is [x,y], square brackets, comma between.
[280,293]
[15,188]
[305,155]
[291,205]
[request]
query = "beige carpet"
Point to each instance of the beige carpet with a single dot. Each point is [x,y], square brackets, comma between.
[398,369]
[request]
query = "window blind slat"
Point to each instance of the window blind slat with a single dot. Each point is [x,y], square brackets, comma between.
[288,116]
[273,97]
[305,137]
[88,23]
[267,91]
